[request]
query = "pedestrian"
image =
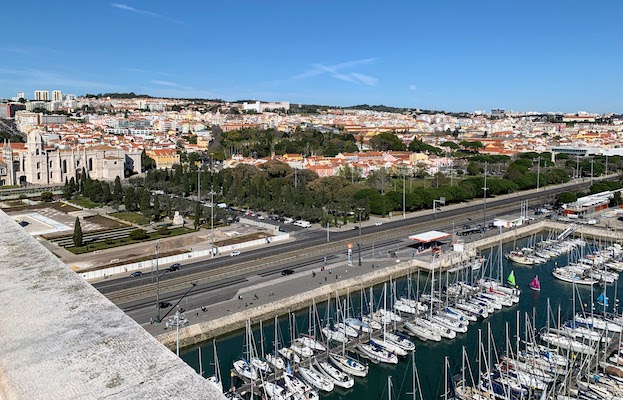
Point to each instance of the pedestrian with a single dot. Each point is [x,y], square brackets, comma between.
[330,271]
[246,304]
[325,278]
[313,274]
[239,297]
[336,277]
[197,314]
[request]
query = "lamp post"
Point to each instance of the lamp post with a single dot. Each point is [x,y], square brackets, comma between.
[538,172]
[441,202]
[157,246]
[360,209]
[212,193]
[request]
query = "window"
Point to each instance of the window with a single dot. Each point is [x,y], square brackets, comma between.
[38,176]
[90,164]
[38,165]
[64,166]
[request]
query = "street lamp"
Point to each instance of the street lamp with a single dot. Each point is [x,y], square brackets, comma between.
[157,246]
[212,193]
[360,209]
[441,202]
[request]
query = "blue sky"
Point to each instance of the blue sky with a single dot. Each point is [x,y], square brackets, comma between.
[452,55]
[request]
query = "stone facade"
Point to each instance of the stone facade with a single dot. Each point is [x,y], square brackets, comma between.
[41,165]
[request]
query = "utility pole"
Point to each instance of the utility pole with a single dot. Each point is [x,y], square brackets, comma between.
[538,173]
[577,165]
[212,217]
[592,161]
[484,197]
[157,246]
[404,196]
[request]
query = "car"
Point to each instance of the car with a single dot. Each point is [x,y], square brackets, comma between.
[466,226]
[136,274]
[23,223]
[287,272]
[378,223]
[281,229]
[174,267]
[164,304]
[235,253]
[261,217]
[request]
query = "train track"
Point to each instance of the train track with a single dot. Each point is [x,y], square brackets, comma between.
[259,265]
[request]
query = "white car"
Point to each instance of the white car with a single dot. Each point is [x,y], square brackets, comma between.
[378,223]
[235,253]
[260,217]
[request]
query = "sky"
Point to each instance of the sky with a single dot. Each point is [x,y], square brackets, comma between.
[461,55]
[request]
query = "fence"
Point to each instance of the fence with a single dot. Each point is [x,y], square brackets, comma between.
[105,272]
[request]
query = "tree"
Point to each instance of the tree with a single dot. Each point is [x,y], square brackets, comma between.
[387,141]
[156,210]
[67,190]
[46,196]
[138,234]
[566,197]
[77,233]
[117,190]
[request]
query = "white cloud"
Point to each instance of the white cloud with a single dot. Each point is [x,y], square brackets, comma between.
[335,71]
[147,13]
[164,83]
[412,87]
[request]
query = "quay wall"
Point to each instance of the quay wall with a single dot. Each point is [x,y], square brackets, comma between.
[198,333]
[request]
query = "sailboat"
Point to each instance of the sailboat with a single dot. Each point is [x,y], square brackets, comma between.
[216,380]
[511,279]
[243,367]
[535,284]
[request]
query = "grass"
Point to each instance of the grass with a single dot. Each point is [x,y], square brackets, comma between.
[125,241]
[84,202]
[132,217]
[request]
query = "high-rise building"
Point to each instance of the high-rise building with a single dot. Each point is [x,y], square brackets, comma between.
[20,95]
[57,95]
[42,95]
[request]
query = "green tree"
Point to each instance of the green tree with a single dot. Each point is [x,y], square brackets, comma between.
[387,141]
[566,197]
[46,196]
[117,190]
[156,210]
[67,190]
[77,233]
[138,234]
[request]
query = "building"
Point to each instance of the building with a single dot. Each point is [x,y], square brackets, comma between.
[42,95]
[53,119]
[498,113]
[8,110]
[38,164]
[164,158]
[57,95]
[260,107]
[20,95]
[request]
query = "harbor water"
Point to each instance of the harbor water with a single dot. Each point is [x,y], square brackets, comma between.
[429,355]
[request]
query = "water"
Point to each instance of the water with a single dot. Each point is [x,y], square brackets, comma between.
[429,355]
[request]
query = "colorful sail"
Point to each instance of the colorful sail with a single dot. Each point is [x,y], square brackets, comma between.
[602,300]
[535,284]
[511,279]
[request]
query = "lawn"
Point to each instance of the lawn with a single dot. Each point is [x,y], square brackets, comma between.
[132,217]
[84,202]
[108,244]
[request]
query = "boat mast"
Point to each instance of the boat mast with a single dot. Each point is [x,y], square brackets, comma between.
[432,286]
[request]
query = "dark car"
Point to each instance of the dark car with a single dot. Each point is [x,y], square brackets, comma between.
[281,229]
[174,267]
[23,223]
[136,274]
[287,272]
[164,304]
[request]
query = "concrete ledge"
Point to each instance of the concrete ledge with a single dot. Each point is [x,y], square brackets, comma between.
[61,339]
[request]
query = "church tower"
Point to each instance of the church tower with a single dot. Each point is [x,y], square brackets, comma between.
[7,156]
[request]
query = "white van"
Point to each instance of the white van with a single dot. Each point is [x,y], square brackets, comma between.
[303,224]
[288,220]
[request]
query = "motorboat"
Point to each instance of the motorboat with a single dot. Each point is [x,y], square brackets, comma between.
[348,365]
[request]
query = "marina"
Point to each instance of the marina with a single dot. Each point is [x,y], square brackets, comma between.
[530,311]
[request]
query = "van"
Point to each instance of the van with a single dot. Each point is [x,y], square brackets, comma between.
[303,224]
[288,220]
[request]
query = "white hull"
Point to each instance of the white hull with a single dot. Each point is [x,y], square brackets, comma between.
[348,365]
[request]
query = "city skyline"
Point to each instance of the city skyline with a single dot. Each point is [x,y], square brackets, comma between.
[453,56]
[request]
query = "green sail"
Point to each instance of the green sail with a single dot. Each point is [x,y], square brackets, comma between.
[511,278]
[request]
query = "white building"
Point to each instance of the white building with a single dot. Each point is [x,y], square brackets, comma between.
[57,95]
[260,107]
[42,95]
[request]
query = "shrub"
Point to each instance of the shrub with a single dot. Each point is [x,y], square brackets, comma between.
[46,196]
[138,234]
[163,230]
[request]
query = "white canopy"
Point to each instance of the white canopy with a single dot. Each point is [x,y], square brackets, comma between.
[429,236]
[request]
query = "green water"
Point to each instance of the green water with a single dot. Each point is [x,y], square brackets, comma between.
[429,355]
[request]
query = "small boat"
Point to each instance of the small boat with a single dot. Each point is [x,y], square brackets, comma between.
[400,341]
[335,335]
[422,332]
[348,365]
[289,355]
[298,388]
[316,379]
[338,377]
[275,361]
[310,342]
[274,391]
[260,365]
[244,369]
[535,284]
[388,346]
[302,350]
[376,353]
[510,281]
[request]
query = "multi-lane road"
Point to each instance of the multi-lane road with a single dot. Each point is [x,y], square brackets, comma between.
[220,278]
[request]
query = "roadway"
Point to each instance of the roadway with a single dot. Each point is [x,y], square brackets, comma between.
[302,256]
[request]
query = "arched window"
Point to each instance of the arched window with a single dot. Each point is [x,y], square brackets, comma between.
[38,176]
[38,165]
[64,166]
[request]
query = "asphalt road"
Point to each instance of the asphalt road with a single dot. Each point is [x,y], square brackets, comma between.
[226,289]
